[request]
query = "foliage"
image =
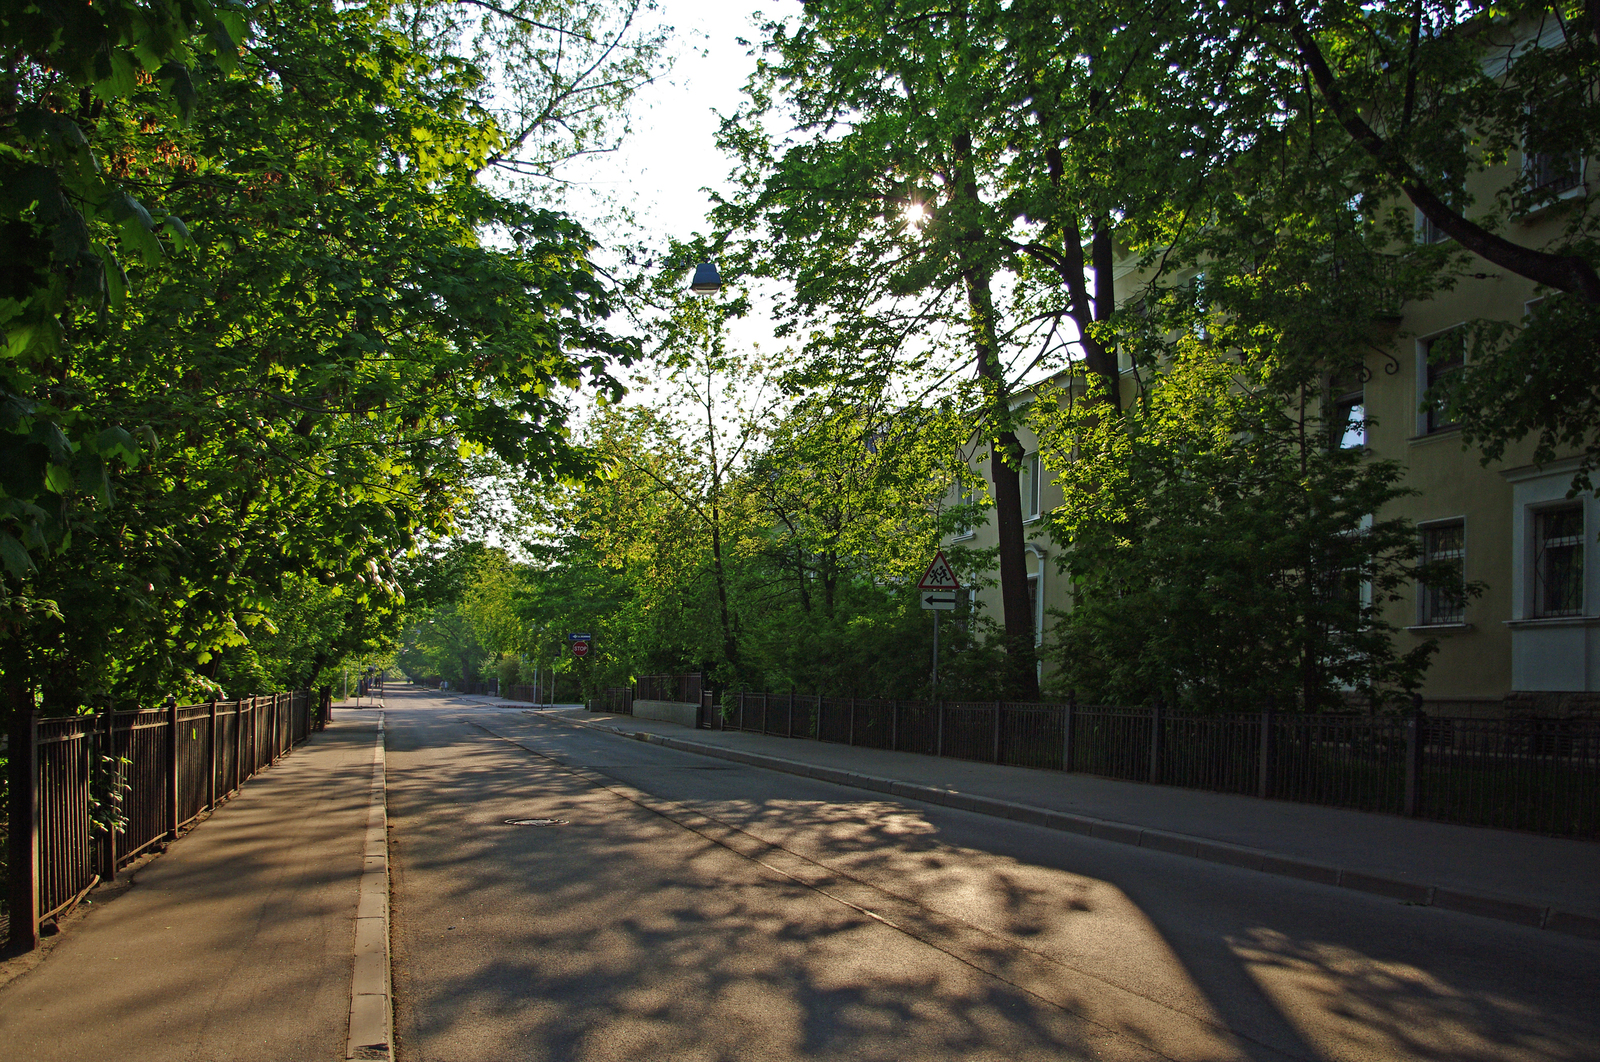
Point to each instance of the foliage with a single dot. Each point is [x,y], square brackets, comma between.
[215,449]
[1222,555]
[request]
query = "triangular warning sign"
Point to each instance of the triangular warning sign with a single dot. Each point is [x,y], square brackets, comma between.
[939,576]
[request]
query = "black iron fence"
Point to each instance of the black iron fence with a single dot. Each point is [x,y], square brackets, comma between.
[618,700]
[93,792]
[686,688]
[550,689]
[1541,775]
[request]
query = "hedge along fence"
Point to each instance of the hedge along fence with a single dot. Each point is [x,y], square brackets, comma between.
[1541,775]
[89,793]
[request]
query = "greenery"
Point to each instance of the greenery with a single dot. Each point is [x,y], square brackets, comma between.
[222,434]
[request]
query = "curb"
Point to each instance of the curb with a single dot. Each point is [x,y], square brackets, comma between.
[371,1002]
[1496,907]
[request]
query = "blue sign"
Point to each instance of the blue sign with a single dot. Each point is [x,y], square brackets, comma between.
[580,637]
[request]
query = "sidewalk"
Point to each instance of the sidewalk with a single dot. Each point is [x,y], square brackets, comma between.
[234,944]
[1518,877]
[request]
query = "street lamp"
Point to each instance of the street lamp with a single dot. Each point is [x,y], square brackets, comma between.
[706,279]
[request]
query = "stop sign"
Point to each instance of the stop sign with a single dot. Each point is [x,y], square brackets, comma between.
[580,648]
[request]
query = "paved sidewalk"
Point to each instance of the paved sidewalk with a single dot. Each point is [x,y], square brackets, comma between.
[234,944]
[1518,877]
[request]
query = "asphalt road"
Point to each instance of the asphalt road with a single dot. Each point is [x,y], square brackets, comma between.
[688,908]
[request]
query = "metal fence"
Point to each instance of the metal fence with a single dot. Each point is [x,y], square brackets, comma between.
[149,772]
[685,688]
[1521,773]
[618,700]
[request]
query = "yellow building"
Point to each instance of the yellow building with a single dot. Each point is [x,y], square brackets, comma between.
[1535,630]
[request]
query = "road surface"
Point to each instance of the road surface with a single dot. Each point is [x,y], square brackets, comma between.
[688,908]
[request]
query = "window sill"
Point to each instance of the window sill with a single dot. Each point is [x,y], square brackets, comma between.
[1429,628]
[1536,622]
[1540,212]
[1451,432]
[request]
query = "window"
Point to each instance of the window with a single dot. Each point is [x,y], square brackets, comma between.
[1348,425]
[1549,173]
[1443,597]
[1440,365]
[1030,476]
[1558,561]
[1428,232]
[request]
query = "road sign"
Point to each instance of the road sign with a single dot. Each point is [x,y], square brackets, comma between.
[580,648]
[939,600]
[579,637]
[939,576]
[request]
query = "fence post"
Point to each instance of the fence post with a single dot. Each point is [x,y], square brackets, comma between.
[1068,718]
[112,768]
[998,708]
[1264,768]
[24,770]
[238,743]
[790,731]
[741,710]
[211,759]
[851,739]
[1155,741]
[1414,739]
[172,768]
[817,726]
[894,725]
[938,739]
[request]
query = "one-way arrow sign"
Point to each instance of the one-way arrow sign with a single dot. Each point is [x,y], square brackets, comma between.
[939,576]
[940,600]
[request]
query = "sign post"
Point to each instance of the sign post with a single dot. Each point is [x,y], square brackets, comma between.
[580,645]
[938,586]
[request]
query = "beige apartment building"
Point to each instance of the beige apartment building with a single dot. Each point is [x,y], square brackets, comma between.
[1532,639]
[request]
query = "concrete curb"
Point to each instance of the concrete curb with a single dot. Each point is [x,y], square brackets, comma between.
[1497,907]
[371,1002]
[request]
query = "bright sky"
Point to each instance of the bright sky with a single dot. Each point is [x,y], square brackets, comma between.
[671,155]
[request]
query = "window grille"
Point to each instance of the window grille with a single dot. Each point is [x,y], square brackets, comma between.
[1558,561]
[1444,358]
[1444,599]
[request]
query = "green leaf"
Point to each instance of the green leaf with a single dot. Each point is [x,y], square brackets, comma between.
[15,557]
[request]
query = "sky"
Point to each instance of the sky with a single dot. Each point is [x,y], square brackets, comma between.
[671,154]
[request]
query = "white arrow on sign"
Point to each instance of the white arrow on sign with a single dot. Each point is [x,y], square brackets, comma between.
[942,601]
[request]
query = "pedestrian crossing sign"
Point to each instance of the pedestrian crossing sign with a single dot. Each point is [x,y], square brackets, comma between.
[939,576]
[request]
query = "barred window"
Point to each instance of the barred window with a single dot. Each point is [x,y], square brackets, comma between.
[1443,596]
[1558,561]
[1444,358]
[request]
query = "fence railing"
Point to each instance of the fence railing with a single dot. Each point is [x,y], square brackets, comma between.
[557,689]
[685,688]
[1541,775]
[150,772]
[618,700]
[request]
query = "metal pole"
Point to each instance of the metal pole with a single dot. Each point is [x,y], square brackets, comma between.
[1414,739]
[24,769]
[1155,742]
[936,656]
[172,768]
[1069,718]
[112,767]
[1264,780]
[998,708]
[211,759]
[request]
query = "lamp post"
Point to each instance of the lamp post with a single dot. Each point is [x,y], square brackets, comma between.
[707,281]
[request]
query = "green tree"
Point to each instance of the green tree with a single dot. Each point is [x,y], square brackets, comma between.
[1222,553]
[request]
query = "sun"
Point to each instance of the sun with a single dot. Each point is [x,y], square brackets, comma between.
[915,215]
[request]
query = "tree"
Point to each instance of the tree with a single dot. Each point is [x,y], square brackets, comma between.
[306,367]
[1223,555]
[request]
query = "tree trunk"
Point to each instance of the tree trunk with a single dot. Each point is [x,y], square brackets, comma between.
[1021,681]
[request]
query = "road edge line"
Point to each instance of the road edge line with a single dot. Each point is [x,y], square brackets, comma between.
[371,1031]
[1498,908]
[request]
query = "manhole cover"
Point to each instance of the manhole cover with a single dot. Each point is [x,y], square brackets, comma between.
[536,822]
